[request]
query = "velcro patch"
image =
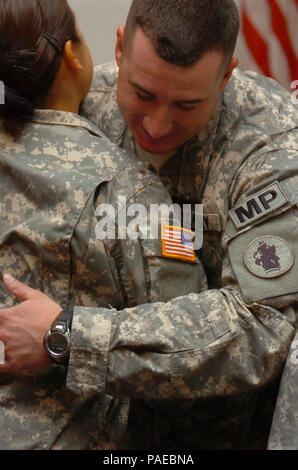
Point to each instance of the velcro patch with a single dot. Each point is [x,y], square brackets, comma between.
[177,242]
[212,222]
[265,258]
[269,257]
[259,205]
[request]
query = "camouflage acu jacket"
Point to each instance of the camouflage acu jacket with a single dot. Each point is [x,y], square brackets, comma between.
[244,169]
[53,179]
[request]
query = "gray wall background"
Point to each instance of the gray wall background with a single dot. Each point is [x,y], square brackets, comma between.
[98,20]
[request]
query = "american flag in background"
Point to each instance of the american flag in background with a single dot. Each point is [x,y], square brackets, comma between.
[268,41]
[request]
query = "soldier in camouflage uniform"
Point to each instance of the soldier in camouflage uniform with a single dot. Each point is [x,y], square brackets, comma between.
[55,172]
[247,151]
[48,240]
[222,379]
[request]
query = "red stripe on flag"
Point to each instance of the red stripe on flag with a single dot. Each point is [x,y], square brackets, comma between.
[256,44]
[175,245]
[279,26]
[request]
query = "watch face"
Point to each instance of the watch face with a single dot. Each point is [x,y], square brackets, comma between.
[58,343]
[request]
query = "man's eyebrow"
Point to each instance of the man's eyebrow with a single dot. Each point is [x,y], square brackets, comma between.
[183,102]
[195,101]
[140,88]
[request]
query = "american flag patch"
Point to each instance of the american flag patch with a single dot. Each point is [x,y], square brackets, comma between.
[177,242]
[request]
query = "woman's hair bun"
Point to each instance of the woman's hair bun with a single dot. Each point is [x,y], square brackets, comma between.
[17,105]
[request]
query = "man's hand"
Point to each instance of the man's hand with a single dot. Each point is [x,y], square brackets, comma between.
[22,327]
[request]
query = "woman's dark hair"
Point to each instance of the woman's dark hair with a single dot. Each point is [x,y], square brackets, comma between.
[32,38]
[182,31]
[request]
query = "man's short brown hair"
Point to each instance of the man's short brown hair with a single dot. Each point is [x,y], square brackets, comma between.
[182,31]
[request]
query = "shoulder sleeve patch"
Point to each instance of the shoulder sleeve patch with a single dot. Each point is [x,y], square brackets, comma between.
[177,243]
[258,205]
[269,257]
[265,258]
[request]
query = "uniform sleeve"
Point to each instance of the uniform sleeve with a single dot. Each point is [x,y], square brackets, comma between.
[145,272]
[284,429]
[221,341]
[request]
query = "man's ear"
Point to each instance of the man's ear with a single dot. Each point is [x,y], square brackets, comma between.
[119,44]
[71,58]
[232,65]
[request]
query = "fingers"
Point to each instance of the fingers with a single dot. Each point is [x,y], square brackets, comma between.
[17,288]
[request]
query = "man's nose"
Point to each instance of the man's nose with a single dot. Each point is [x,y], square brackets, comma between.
[158,123]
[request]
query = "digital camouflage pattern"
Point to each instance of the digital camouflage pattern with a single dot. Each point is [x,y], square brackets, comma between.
[52,178]
[284,430]
[222,380]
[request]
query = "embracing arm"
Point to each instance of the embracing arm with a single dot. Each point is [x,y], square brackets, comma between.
[168,349]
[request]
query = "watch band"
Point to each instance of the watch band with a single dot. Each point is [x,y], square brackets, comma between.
[65,316]
[60,328]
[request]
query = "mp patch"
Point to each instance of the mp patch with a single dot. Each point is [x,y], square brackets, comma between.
[269,257]
[259,205]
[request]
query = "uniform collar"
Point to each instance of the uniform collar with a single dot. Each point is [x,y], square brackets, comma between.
[196,158]
[63,118]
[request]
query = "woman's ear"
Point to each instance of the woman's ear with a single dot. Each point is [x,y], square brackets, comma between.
[71,58]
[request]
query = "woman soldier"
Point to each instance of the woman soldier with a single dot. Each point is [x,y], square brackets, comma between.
[56,171]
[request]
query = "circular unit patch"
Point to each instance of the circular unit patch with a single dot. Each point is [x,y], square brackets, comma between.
[269,257]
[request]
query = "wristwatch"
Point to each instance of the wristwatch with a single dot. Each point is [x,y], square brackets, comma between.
[57,339]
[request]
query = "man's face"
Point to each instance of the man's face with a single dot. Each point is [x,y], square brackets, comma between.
[165,105]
